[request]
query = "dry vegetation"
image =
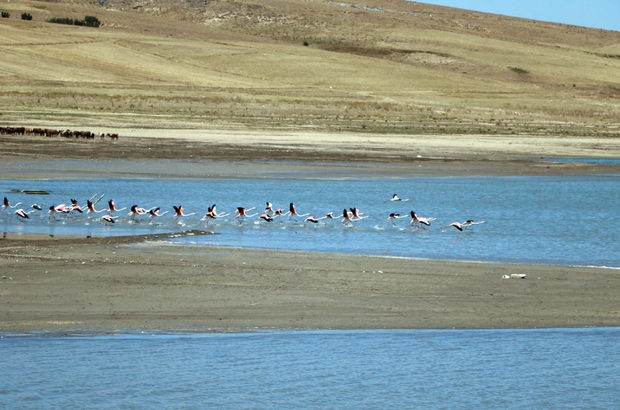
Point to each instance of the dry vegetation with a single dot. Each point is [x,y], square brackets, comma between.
[385,67]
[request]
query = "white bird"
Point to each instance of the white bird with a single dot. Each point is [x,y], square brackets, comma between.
[470,222]
[395,198]
[7,205]
[108,219]
[135,213]
[347,217]
[75,206]
[356,215]
[424,221]
[393,216]
[212,214]
[242,213]
[457,225]
[58,209]
[178,212]
[292,211]
[22,215]
[90,208]
[112,207]
[460,226]
[154,213]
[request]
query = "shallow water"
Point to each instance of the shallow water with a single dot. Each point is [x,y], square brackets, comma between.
[517,369]
[549,220]
[612,161]
[555,220]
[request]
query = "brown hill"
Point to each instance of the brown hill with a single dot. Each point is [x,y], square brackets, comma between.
[389,67]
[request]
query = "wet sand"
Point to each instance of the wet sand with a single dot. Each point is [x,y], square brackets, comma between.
[99,284]
[134,283]
[236,153]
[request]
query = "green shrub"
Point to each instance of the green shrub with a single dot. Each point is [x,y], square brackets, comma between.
[89,21]
[60,20]
[517,70]
[26,16]
[6,14]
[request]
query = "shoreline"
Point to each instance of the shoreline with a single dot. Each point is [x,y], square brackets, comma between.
[150,240]
[226,153]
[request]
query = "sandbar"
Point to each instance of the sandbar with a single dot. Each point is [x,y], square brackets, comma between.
[139,283]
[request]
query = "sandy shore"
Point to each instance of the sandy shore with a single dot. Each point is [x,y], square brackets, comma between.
[127,284]
[121,283]
[398,155]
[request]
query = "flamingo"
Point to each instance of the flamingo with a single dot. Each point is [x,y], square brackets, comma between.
[112,207]
[135,213]
[6,205]
[393,216]
[37,207]
[460,226]
[279,212]
[457,225]
[356,214]
[310,219]
[329,215]
[212,214]
[75,207]
[61,208]
[23,215]
[424,221]
[292,210]
[395,198]
[266,217]
[243,213]
[154,213]
[269,207]
[90,208]
[470,222]
[108,219]
[346,217]
[178,212]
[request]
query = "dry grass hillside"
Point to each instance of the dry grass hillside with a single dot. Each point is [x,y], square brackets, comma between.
[389,66]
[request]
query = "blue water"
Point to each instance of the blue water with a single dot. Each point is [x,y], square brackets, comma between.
[602,161]
[554,220]
[516,369]
[549,220]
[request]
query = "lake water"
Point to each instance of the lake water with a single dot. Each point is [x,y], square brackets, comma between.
[516,369]
[551,220]
[548,220]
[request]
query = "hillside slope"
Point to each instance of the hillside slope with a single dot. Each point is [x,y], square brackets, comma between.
[387,67]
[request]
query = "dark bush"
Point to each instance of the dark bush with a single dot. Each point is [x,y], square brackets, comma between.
[89,21]
[60,20]
[6,14]
[26,16]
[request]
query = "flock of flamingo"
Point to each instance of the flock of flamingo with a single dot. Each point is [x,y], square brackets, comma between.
[270,214]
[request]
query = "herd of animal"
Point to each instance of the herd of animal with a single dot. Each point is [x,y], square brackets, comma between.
[50,132]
